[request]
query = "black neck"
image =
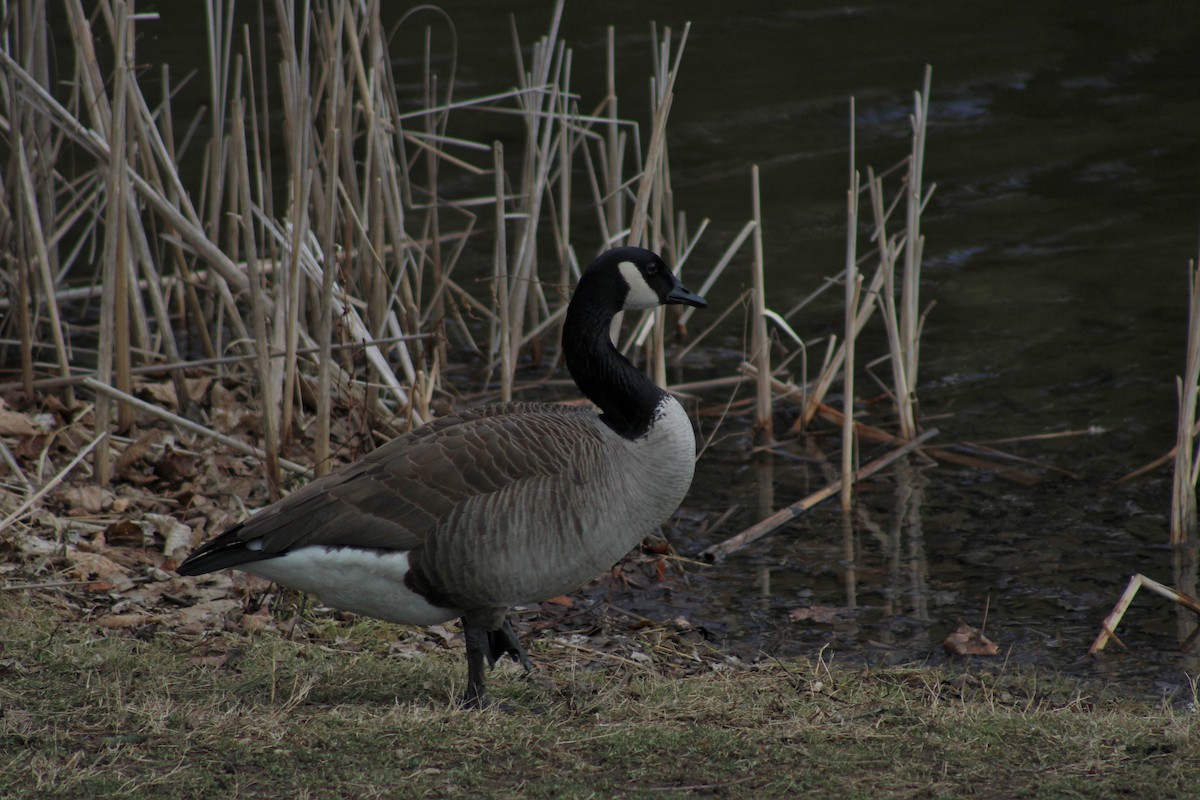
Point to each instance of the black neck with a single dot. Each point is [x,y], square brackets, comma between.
[626,397]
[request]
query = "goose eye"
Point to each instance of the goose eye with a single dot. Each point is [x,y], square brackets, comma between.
[652,269]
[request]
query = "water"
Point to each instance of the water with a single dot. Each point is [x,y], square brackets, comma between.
[1063,141]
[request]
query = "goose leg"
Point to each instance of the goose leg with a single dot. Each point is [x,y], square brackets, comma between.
[504,642]
[478,649]
[490,646]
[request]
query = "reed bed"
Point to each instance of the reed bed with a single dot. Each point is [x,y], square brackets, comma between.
[318,233]
[366,243]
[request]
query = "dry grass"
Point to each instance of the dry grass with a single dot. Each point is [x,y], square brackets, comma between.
[91,714]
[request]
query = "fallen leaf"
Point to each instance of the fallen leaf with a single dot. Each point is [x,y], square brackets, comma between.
[175,467]
[164,391]
[261,621]
[87,566]
[207,613]
[968,641]
[137,450]
[821,614]
[83,500]
[176,536]
[14,423]
[124,532]
[561,600]
[659,547]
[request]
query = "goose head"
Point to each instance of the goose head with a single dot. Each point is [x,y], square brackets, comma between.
[632,279]
[622,279]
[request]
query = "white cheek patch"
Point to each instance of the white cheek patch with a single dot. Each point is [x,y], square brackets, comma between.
[640,294]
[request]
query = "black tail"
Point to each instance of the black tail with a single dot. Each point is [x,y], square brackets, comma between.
[227,550]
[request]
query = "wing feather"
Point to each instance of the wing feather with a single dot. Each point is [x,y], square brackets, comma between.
[397,496]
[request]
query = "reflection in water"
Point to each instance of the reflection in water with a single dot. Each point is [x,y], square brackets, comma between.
[1184,563]
[902,546]
[850,572]
[764,471]
[910,495]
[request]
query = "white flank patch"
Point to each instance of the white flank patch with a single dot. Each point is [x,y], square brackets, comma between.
[363,581]
[640,294]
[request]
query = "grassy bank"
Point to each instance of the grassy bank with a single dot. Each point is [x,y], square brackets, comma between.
[361,710]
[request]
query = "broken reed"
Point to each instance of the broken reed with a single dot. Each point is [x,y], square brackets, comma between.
[369,244]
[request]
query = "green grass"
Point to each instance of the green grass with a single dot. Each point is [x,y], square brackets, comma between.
[90,713]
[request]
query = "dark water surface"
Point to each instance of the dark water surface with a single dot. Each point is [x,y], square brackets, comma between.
[1065,142]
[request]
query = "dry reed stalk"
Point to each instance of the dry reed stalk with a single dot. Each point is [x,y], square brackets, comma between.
[568,141]
[760,343]
[114,248]
[890,250]
[910,313]
[614,216]
[41,255]
[140,122]
[120,148]
[652,169]
[903,324]
[435,309]
[853,285]
[269,399]
[91,82]
[538,163]
[219,27]
[500,279]
[1183,488]
[25,322]
[646,224]
[29,37]
[297,92]
[336,117]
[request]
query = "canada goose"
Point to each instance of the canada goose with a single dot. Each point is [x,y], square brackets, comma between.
[491,507]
